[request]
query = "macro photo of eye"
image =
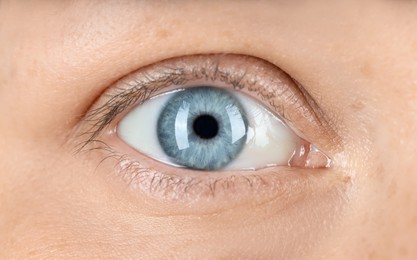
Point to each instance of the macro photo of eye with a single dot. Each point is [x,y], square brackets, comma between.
[143,129]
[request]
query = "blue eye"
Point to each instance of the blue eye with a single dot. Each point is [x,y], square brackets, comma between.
[202,128]
[208,128]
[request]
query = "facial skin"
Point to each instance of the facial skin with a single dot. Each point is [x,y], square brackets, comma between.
[357,60]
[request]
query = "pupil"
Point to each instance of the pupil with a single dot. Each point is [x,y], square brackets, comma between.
[205,126]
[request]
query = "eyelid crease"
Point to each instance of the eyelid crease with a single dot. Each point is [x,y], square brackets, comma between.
[239,71]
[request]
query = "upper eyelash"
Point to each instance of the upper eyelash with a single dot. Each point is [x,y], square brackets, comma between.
[139,90]
[121,100]
[139,86]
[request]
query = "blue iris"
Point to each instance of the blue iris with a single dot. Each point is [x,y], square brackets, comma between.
[202,128]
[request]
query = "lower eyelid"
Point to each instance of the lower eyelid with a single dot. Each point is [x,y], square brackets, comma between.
[173,191]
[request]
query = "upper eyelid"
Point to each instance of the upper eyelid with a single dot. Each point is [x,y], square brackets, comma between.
[139,86]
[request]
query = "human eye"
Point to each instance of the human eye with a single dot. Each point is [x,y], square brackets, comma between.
[183,127]
[209,128]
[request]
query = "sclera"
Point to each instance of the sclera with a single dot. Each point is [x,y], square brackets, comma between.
[270,142]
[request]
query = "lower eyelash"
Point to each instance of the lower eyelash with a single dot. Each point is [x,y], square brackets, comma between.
[193,186]
[180,191]
[180,187]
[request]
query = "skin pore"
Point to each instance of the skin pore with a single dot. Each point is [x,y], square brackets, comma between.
[356,59]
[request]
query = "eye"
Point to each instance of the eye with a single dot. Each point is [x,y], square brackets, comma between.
[216,112]
[209,128]
[186,128]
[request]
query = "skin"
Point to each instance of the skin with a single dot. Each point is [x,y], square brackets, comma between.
[357,59]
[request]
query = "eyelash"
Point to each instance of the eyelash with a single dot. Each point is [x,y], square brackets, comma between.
[174,187]
[138,91]
[142,85]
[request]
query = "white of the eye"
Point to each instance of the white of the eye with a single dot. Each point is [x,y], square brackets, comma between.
[269,141]
[138,128]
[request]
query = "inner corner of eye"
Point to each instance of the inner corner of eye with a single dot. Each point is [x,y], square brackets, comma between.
[209,128]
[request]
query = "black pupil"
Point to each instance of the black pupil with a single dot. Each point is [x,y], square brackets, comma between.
[205,126]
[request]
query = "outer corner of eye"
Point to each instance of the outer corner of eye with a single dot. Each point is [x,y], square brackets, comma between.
[210,128]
